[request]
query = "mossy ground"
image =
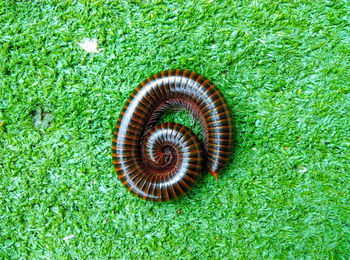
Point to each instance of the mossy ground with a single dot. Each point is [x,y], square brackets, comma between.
[284,69]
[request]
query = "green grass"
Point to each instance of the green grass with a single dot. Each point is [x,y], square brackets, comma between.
[284,69]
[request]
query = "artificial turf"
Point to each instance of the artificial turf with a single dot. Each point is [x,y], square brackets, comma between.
[284,70]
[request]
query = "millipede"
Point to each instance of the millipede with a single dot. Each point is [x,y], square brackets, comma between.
[160,162]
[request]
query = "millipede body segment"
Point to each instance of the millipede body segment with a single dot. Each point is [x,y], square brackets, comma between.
[160,162]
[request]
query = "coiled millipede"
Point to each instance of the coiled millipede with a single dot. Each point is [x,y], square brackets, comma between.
[160,162]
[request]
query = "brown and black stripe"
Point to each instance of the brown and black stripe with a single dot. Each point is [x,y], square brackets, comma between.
[161,162]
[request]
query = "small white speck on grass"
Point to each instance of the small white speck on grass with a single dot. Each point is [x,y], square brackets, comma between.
[303,169]
[68,237]
[89,45]
[13,148]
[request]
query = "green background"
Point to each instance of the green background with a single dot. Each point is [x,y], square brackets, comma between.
[284,70]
